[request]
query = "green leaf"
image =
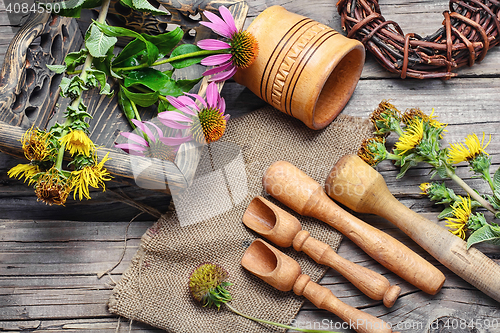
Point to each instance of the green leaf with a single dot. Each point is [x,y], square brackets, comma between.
[133,54]
[113,31]
[488,234]
[65,81]
[177,88]
[126,106]
[168,73]
[101,77]
[151,49]
[166,42]
[142,99]
[496,179]
[185,49]
[72,8]
[143,6]
[75,59]
[58,69]
[149,77]
[98,43]
[104,64]
[187,85]
[447,212]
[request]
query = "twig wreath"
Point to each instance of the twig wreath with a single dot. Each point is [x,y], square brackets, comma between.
[469,30]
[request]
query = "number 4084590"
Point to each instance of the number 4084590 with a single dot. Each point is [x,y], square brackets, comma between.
[26,8]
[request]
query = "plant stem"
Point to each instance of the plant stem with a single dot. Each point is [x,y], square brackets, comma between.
[487,177]
[470,191]
[136,112]
[394,157]
[275,324]
[179,57]
[83,76]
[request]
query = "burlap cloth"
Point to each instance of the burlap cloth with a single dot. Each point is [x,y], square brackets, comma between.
[206,227]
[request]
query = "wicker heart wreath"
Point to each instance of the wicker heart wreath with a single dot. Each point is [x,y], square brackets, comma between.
[469,30]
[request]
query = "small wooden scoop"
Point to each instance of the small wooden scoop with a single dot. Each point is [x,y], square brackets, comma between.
[303,194]
[361,188]
[285,274]
[283,229]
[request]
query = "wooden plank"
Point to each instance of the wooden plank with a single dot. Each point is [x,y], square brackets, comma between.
[106,325]
[47,268]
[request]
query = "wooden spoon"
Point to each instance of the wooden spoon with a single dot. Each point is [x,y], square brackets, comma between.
[361,188]
[283,229]
[303,194]
[285,274]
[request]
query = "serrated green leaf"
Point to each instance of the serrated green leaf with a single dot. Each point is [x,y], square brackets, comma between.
[496,179]
[101,77]
[149,77]
[70,8]
[141,99]
[91,4]
[65,81]
[58,69]
[447,212]
[75,59]
[113,31]
[185,49]
[104,64]
[98,43]
[488,234]
[165,42]
[143,6]
[151,50]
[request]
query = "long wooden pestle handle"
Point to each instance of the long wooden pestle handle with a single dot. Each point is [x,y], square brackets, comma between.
[353,175]
[323,298]
[303,194]
[371,283]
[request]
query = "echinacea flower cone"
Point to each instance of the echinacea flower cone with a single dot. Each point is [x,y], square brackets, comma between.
[303,68]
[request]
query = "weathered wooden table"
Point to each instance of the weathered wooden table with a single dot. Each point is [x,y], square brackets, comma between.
[49,256]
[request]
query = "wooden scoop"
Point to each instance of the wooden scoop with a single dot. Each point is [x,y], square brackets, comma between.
[283,229]
[285,274]
[303,194]
[361,188]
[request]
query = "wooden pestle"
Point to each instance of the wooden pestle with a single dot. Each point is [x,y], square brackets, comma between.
[285,274]
[303,194]
[361,188]
[283,229]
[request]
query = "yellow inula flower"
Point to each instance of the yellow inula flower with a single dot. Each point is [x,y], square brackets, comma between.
[77,141]
[459,153]
[372,150]
[424,187]
[36,145]
[52,188]
[413,113]
[411,137]
[462,213]
[207,285]
[92,175]
[24,170]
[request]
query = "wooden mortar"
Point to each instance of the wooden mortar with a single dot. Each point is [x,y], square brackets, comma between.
[283,229]
[361,188]
[303,194]
[285,274]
